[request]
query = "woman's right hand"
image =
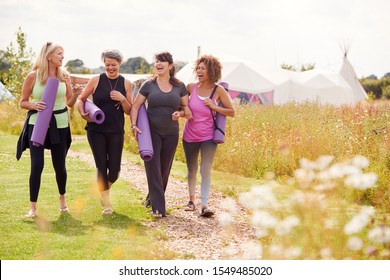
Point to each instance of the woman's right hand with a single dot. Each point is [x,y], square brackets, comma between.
[86,117]
[135,132]
[39,106]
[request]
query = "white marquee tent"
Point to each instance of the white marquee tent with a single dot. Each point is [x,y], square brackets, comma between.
[240,75]
[288,86]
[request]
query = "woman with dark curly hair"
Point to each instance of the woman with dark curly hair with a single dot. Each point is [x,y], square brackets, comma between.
[199,130]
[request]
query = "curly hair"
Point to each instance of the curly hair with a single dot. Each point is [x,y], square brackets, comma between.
[214,67]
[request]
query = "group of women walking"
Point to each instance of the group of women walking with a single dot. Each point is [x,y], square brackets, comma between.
[167,100]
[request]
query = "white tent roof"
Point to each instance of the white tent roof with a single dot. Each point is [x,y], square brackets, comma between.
[241,76]
[348,73]
[317,86]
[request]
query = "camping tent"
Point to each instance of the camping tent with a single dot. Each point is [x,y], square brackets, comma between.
[348,73]
[241,76]
[341,88]
[4,93]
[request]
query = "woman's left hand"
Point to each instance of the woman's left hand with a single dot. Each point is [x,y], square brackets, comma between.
[209,102]
[175,115]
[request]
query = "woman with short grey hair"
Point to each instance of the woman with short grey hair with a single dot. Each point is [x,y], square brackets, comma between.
[112,93]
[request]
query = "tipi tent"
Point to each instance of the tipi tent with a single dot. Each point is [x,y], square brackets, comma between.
[348,73]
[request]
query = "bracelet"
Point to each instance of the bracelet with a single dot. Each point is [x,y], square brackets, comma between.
[133,125]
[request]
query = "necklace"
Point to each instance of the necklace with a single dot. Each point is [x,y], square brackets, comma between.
[109,81]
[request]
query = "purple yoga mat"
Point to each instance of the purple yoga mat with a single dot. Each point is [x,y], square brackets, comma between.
[219,138]
[43,117]
[144,139]
[94,112]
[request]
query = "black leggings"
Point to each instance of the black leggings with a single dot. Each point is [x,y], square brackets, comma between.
[58,156]
[159,168]
[107,151]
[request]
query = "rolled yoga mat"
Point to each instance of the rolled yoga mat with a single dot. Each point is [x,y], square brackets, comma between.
[43,117]
[94,112]
[219,137]
[144,139]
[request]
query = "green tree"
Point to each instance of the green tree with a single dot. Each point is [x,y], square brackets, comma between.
[19,58]
[77,66]
[4,65]
[301,68]
[136,65]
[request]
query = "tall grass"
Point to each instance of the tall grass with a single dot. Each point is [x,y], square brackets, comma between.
[264,139]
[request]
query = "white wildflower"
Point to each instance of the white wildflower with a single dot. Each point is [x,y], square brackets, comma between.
[325,186]
[292,253]
[263,219]
[230,251]
[304,175]
[360,161]
[359,221]
[339,170]
[380,234]
[323,162]
[252,250]
[326,254]
[307,164]
[361,181]
[329,223]
[285,226]
[260,197]
[261,232]
[354,243]
[229,205]
[297,197]
[225,219]
[276,251]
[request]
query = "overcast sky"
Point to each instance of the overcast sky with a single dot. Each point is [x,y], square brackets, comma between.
[266,32]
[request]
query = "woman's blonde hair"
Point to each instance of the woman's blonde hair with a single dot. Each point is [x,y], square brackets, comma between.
[42,63]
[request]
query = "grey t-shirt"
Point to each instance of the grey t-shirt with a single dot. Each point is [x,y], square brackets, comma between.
[161,105]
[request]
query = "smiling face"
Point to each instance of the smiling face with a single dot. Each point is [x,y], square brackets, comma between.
[112,67]
[56,57]
[202,72]
[161,67]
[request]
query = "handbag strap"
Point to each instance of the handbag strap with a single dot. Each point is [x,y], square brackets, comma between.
[213,116]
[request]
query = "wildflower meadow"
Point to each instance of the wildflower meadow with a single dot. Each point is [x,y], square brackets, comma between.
[325,170]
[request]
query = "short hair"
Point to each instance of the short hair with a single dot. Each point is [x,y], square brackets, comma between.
[112,53]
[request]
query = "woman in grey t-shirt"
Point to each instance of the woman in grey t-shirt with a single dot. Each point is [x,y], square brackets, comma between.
[165,95]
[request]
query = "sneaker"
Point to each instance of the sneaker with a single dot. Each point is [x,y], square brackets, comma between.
[206,212]
[157,214]
[190,206]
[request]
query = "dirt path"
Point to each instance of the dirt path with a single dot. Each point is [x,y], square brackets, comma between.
[188,234]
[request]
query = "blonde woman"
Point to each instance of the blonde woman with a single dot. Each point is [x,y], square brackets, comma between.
[47,65]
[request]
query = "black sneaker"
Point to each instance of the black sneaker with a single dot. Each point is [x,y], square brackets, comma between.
[206,212]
